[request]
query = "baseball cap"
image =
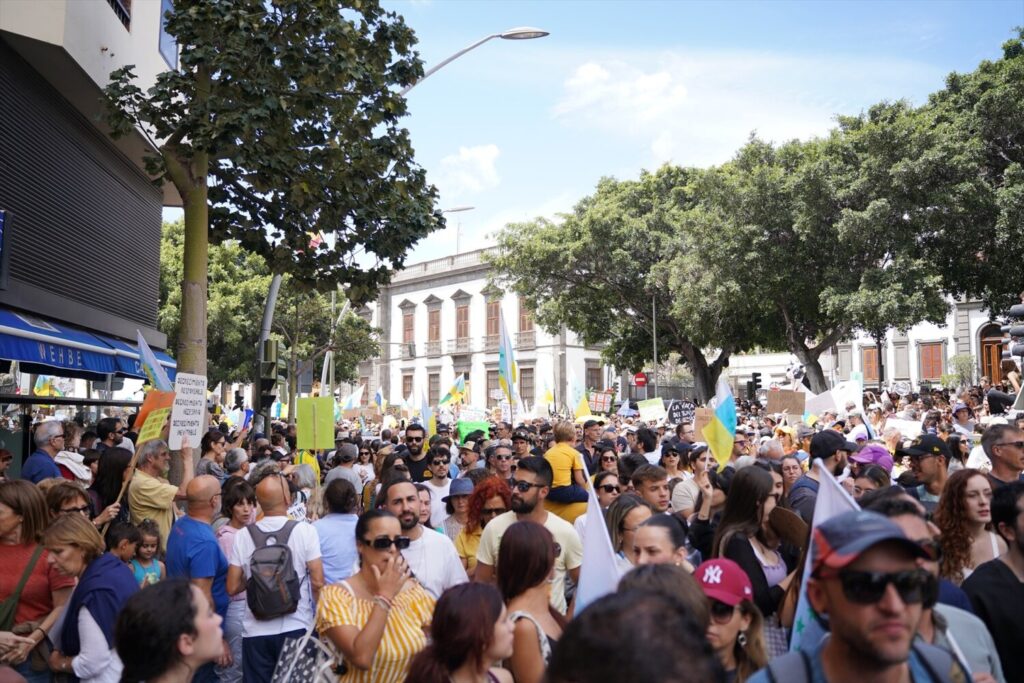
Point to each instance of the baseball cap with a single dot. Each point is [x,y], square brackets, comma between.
[725,581]
[840,540]
[927,444]
[960,406]
[874,454]
[459,487]
[803,431]
[824,444]
[347,452]
[521,435]
[469,446]
[590,423]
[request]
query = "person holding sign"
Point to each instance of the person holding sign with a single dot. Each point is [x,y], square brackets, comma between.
[150,496]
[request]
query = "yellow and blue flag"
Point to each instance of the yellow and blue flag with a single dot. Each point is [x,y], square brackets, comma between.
[457,394]
[507,370]
[427,418]
[45,386]
[720,433]
[379,400]
[155,372]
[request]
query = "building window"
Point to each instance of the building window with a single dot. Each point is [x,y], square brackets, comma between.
[433,388]
[406,386]
[168,45]
[434,325]
[123,10]
[493,318]
[364,400]
[492,388]
[869,363]
[930,357]
[525,318]
[595,379]
[462,321]
[526,385]
[408,328]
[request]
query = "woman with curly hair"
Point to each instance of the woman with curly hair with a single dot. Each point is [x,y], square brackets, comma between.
[964,516]
[490,498]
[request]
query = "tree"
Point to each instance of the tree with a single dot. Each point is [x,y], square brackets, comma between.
[280,124]
[599,271]
[237,288]
[305,324]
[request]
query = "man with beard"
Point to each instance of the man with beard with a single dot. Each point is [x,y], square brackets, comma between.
[110,432]
[150,496]
[832,449]
[431,556]
[531,483]
[416,458]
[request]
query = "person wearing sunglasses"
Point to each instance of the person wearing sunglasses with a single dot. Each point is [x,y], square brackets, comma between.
[501,460]
[946,617]
[490,498]
[439,482]
[1004,446]
[378,616]
[868,585]
[606,485]
[734,629]
[415,452]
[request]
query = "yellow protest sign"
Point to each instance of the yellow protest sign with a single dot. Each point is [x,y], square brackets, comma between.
[155,411]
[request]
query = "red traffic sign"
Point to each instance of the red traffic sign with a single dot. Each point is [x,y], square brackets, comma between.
[640,379]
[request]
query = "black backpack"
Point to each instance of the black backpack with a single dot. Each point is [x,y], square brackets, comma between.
[273,588]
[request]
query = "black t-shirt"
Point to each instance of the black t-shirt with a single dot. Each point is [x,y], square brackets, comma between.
[417,468]
[997,483]
[998,599]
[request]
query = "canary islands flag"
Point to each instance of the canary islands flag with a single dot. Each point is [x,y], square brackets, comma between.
[155,372]
[427,418]
[457,394]
[379,401]
[506,363]
[721,431]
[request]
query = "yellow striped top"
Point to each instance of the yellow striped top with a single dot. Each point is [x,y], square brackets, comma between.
[403,634]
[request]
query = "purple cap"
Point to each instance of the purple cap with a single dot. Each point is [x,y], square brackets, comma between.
[874,454]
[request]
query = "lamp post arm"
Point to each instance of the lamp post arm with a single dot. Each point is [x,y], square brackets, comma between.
[447,61]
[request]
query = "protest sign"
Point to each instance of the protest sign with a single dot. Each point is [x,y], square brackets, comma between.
[652,410]
[153,414]
[188,414]
[681,411]
[465,427]
[909,429]
[702,418]
[314,424]
[468,414]
[785,401]
[601,402]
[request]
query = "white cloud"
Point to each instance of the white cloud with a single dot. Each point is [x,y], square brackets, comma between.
[698,108]
[469,171]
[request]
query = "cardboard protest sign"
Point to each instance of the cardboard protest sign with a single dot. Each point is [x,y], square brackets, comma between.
[601,402]
[816,405]
[702,418]
[314,423]
[188,414]
[651,410]
[681,411]
[785,401]
[153,414]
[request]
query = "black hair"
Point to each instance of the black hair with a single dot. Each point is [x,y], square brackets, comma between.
[382,495]
[677,529]
[122,531]
[340,497]
[106,427]
[148,626]
[648,439]
[235,491]
[890,502]
[363,523]
[539,466]
[1004,506]
[110,474]
[148,527]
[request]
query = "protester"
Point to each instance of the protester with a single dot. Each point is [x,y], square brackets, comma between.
[149,495]
[832,449]
[525,563]
[23,518]
[49,441]
[165,632]
[213,447]
[607,458]
[336,531]
[416,456]
[490,498]
[1004,446]
[684,496]
[111,476]
[929,460]
[662,539]
[672,461]
[104,584]
[651,482]
[671,580]
[376,617]
[470,634]
[456,506]
[606,486]
[145,566]
[735,631]
[964,516]
[439,484]
[568,483]
[586,447]
[624,517]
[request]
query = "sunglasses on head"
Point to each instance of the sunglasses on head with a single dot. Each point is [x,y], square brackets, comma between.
[609,488]
[524,486]
[383,542]
[721,613]
[865,588]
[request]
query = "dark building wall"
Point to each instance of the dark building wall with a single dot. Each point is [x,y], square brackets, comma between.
[85,227]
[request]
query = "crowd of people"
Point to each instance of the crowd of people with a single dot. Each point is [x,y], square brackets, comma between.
[406,556]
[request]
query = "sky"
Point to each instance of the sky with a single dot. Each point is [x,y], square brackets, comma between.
[521,129]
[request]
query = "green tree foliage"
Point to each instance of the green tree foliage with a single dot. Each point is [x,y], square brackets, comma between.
[281,122]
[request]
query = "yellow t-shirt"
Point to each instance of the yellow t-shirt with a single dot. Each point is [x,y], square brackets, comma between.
[466,545]
[563,459]
[152,498]
[403,633]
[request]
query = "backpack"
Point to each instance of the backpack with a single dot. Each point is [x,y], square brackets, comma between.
[273,587]
[942,667]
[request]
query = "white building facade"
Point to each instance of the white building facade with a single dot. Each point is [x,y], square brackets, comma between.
[440,319]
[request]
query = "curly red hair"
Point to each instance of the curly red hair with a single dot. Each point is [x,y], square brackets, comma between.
[951,518]
[483,492]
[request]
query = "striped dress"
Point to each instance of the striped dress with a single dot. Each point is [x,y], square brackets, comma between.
[403,634]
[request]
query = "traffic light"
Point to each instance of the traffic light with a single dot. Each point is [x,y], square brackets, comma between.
[751,394]
[270,374]
[1015,328]
[755,380]
[239,400]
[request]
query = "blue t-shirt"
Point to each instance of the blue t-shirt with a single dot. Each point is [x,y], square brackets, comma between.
[918,672]
[39,466]
[193,553]
[337,545]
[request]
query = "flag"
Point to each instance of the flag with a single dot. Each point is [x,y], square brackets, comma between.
[507,370]
[599,573]
[721,431]
[832,500]
[45,386]
[155,372]
[583,407]
[427,418]
[548,398]
[457,394]
[355,399]
[379,401]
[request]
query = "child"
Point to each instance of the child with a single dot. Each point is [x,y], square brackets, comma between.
[122,540]
[147,568]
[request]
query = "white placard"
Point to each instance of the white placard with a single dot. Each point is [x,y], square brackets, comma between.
[909,429]
[188,415]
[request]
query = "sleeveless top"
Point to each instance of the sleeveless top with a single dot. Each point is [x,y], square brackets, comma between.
[773,573]
[145,576]
[995,552]
[545,641]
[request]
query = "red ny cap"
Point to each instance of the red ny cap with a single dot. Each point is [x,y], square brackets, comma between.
[725,581]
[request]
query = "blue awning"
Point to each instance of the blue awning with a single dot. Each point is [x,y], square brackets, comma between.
[46,347]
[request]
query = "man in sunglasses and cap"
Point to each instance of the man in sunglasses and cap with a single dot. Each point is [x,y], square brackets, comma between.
[868,585]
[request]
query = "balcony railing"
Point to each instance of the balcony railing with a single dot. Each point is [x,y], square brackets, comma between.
[460,345]
[123,10]
[491,343]
[526,340]
[433,349]
[408,350]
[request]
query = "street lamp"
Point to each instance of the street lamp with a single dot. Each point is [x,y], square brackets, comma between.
[521,33]
[458,224]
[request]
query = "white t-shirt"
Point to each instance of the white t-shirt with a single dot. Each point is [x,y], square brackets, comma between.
[434,562]
[437,508]
[305,546]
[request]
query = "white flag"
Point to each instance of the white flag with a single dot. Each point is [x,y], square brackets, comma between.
[832,500]
[599,573]
[355,399]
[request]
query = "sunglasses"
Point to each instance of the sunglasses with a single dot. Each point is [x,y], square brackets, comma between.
[400,468]
[383,542]
[609,488]
[933,549]
[609,458]
[721,613]
[81,510]
[865,588]
[414,439]
[524,486]
[364,452]
[1016,444]
[491,512]
[503,457]
[435,463]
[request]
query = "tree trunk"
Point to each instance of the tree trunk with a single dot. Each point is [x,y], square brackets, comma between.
[812,368]
[705,375]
